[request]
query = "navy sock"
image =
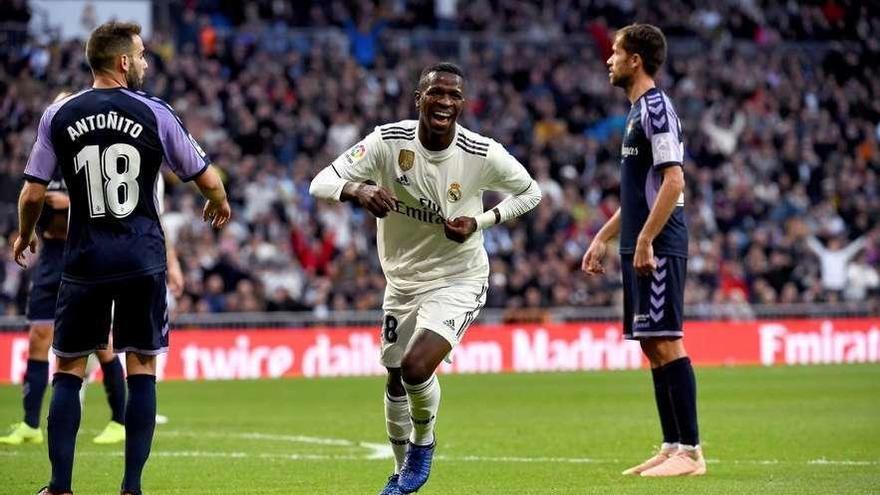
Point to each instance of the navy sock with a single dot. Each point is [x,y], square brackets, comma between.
[64,415]
[683,390]
[664,406]
[140,421]
[114,386]
[36,379]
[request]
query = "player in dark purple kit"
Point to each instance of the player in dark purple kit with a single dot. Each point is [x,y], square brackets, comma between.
[109,142]
[653,246]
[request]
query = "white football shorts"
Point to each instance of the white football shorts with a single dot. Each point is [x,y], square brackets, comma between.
[446,311]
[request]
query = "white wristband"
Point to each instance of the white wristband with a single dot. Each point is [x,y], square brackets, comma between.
[485,220]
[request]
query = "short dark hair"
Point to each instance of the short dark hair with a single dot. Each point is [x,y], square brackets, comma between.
[448,67]
[648,42]
[108,41]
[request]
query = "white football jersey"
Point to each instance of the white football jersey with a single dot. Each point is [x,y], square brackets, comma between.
[431,186]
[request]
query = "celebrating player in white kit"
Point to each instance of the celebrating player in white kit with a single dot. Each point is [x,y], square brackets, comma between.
[424,181]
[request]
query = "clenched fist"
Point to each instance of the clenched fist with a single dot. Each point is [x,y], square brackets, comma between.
[375,199]
[460,229]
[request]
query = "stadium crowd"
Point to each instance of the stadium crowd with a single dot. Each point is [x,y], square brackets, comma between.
[781,129]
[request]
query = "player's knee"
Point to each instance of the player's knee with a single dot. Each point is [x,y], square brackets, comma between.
[140,364]
[415,370]
[661,352]
[105,355]
[74,366]
[649,350]
[40,340]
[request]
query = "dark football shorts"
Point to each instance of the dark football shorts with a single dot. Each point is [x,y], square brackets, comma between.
[653,306]
[136,308]
[45,279]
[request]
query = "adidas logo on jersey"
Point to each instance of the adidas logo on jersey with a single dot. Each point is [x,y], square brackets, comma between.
[403,180]
[450,324]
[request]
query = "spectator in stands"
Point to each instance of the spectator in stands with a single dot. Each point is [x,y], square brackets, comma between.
[862,279]
[834,260]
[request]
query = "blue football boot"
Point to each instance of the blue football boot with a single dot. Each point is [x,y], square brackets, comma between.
[416,467]
[391,487]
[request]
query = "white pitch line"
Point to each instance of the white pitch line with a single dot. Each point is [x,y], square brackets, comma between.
[829,462]
[261,436]
[269,437]
[377,450]
[588,460]
[447,458]
[384,451]
[513,459]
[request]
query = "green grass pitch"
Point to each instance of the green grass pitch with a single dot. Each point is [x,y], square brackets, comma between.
[795,430]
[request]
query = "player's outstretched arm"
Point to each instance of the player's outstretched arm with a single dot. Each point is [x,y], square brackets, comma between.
[592,261]
[217,209]
[30,204]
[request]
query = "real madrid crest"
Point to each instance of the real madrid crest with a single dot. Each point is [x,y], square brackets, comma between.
[406,159]
[454,192]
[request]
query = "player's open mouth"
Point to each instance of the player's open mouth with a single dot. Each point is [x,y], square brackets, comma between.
[441,118]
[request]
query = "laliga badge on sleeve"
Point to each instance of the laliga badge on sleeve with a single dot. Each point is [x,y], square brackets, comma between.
[356,153]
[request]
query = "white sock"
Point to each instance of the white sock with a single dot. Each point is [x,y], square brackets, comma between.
[669,446]
[398,426]
[424,401]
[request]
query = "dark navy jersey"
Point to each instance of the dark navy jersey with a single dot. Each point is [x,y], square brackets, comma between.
[109,145]
[652,142]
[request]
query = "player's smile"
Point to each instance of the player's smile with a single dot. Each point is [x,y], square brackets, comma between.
[442,111]
[441,118]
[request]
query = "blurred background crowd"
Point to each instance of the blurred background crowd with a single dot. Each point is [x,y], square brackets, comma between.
[780,105]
